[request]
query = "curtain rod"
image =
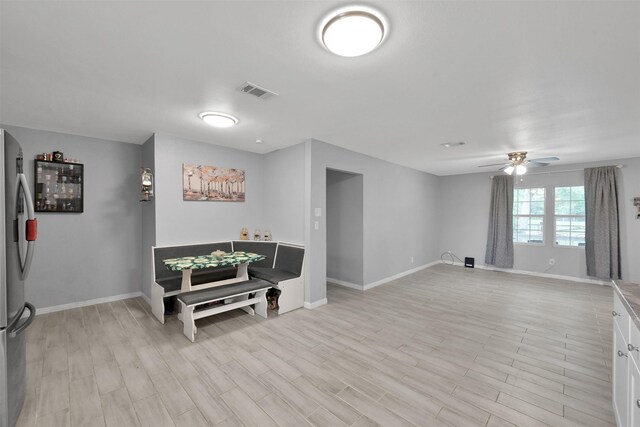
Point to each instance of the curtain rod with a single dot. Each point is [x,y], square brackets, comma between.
[563,171]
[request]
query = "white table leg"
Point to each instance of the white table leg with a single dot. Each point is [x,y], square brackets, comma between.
[243,273]
[186,281]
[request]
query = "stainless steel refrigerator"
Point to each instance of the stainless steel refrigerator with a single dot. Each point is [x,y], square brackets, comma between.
[17,241]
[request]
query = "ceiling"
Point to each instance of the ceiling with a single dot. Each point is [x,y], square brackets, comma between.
[552,78]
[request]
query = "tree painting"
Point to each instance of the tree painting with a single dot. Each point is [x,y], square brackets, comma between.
[211,183]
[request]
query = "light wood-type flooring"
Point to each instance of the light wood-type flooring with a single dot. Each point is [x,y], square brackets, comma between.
[444,346]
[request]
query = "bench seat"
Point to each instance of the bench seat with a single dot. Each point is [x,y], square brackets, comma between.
[286,274]
[272,275]
[237,295]
[221,292]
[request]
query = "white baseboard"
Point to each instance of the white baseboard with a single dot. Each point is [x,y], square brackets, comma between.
[536,273]
[146,298]
[345,284]
[399,275]
[316,304]
[86,303]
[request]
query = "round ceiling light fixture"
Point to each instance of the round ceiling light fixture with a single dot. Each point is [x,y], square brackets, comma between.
[219,120]
[353,31]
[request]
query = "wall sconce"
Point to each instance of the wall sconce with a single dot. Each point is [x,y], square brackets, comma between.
[146,182]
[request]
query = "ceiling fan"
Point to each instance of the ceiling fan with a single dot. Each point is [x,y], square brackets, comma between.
[518,163]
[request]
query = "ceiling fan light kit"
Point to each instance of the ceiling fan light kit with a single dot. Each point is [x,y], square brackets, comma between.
[517,162]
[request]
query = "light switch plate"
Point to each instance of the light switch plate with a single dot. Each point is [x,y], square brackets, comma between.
[318,212]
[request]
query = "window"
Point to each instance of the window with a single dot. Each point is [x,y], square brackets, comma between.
[569,219]
[528,215]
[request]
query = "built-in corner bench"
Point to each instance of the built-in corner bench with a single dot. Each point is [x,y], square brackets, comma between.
[209,291]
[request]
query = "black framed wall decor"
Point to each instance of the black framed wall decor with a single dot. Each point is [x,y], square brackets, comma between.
[59,187]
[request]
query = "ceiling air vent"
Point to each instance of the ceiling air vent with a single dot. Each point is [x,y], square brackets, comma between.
[257,91]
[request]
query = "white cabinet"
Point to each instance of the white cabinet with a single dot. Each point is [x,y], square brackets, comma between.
[634,397]
[620,378]
[626,374]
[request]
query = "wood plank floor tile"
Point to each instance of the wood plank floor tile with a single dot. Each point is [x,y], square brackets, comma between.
[85,404]
[370,408]
[152,413]
[192,418]
[53,394]
[281,412]
[246,409]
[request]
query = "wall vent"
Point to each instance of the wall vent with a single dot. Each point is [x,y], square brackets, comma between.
[257,91]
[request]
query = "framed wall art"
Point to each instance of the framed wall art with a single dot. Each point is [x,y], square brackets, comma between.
[212,183]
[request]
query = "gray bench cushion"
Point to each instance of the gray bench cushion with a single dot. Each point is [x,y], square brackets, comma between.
[289,259]
[267,249]
[221,292]
[273,275]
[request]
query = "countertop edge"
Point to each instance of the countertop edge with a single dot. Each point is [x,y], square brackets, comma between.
[620,287]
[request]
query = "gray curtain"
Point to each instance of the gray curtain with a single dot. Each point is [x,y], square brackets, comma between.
[602,228]
[500,235]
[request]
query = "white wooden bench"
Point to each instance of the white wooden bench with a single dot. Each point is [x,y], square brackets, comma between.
[198,304]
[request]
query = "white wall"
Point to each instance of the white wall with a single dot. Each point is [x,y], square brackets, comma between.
[464,217]
[97,253]
[345,227]
[283,186]
[400,215]
[183,222]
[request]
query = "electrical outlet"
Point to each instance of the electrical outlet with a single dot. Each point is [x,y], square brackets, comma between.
[552,261]
[411,260]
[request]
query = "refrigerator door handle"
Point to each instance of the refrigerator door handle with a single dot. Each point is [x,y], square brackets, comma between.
[14,330]
[31,225]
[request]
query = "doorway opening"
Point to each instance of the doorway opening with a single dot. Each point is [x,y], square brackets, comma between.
[345,228]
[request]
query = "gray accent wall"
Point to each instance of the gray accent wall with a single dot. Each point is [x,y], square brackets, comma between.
[182,222]
[345,231]
[464,216]
[148,210]
[400,211]
[284,193]
[95,254]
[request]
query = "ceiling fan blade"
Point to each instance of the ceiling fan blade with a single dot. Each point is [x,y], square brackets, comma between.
[545,159]
[533,164]
[495,164]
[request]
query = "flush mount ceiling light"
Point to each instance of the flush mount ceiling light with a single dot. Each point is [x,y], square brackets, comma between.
[219,120]
[353,31]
